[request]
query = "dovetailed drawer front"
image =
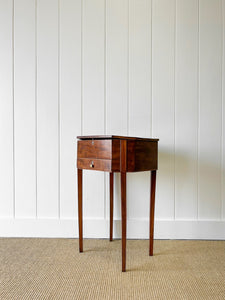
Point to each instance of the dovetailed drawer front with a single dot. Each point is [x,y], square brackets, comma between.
[94,164]
[101,149]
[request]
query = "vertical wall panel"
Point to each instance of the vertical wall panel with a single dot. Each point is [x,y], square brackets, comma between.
[93,66]
[139,68]
[163,33]
[186,109]
[117,66]
[117,76]
[70,103]
[6,109]
[47,109]
[93,97]
[139,99]
[210,109]
[25,115]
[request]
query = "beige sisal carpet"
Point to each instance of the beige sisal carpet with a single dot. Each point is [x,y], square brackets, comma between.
[54,269]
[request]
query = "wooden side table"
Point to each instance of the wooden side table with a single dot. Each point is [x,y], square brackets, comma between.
[122,154]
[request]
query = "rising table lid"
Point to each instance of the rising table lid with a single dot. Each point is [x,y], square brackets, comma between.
[115,137]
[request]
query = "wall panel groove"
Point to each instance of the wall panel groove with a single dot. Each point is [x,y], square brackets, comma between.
[13,101]
[151,107]
[106,178]
[128,64]
[59,110]
[223,116]
[175,71]
[35,75]
[198,110]
[81,70]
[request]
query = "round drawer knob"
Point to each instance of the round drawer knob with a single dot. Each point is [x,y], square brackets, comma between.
[92,165]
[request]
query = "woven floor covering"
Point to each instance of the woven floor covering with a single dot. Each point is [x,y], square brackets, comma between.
[54,269]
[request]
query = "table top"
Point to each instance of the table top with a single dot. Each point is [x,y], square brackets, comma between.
[115,137]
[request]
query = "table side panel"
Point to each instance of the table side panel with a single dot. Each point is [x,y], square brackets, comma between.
[146,156]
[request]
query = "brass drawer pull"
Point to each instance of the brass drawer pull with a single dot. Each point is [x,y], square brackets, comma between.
[92,165]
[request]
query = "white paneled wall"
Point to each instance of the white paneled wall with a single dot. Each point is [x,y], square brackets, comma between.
[150,68]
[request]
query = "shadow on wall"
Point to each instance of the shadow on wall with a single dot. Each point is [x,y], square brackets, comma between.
[195,186]
[187,188]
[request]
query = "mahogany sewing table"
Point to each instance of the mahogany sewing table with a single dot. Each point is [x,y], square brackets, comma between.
[122,154]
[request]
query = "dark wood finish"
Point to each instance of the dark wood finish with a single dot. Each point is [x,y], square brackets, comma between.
[123,168]
[152,211]
[101,149]
[95,164]
[141,155]
[122,154]
[80,209]
[111,205]
[124,217]
[145,156]
[116,155]
[112,137]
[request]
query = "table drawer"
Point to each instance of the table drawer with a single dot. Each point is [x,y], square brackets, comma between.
[94,164]
[101,149]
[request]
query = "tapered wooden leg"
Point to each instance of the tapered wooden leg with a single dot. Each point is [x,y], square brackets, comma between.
[124,219]
[152,212]
[80,217]
[111,205]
